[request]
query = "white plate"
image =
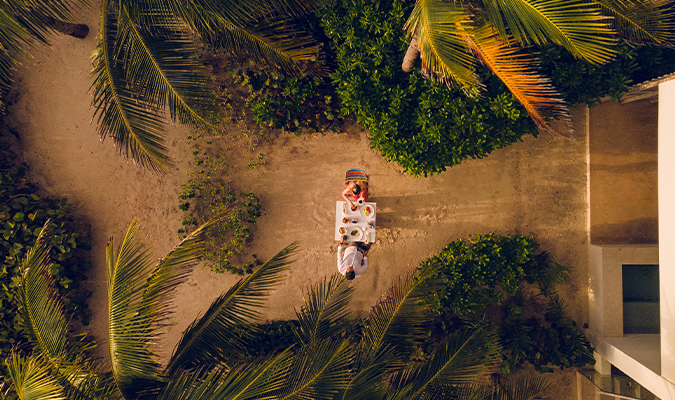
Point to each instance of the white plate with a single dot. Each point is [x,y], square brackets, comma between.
[372,211]
[359,233]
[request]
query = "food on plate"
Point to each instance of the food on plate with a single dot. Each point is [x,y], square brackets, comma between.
[367,211]
[342,230]
[355,233]
[355,207]
[345,220]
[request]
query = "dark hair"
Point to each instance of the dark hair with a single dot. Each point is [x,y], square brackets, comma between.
[350,275]
[356,189]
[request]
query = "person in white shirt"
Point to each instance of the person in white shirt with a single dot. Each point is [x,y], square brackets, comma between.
[351,259]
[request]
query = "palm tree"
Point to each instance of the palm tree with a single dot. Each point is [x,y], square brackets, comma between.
[148,60]
[27,23]
[206,364]
[452,35]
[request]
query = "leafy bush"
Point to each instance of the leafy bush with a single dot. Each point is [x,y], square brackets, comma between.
[206,195]
[541,340]
[24,213]
[507,278]
[477,273]
[287,103]
[580,82]
[423,126]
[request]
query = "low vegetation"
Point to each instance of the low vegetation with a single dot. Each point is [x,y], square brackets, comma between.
[24,212]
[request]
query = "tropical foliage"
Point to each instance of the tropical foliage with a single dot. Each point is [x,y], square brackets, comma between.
[452,36]
[25,24]
[581,82]
[323,363]
[506,283]
[207,194]
[148,60]
[422,125]
[22,215]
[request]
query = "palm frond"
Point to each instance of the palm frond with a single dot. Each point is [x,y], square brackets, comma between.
[641,21]
[276,43]
[515,68]
[32,378]
[398,319]
[206,340]
[457,368]
[318,372]
[369,381]
[173,270]
[47,326]
[440,28]
[521,389]
[130,334]
[576,25]
[325,310]
[39,302]
[134,125]
[244,12]
[14,37]
[38,17]
[162,64]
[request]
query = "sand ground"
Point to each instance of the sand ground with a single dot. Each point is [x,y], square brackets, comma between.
[537,187]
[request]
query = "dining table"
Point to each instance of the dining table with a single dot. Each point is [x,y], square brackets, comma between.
[357,224]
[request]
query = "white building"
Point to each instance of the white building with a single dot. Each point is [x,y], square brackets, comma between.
[632,245]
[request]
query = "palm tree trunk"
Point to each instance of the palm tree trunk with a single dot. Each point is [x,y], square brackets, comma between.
[411,55]
[79,31]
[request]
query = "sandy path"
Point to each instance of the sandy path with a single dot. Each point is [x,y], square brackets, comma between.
[537,187]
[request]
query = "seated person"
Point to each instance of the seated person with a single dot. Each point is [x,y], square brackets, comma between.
[352,261]
[355,190]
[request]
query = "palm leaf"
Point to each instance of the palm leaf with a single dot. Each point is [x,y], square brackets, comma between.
[173,270]
[162,64]
[325,310]
[32,378]
[139,302]
[394,328]
[14,36]
[440,28]
[318,372]
[515,69]
[398,319]
[43,319]
[276,43]
[576,25]
[133,124]
[130,334]
[244,12]
[521,389]
[206,340]
[254,380]
[458,368]
[640,21]
[38,17]
[39,303]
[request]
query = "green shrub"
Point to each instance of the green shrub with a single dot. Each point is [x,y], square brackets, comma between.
[506,278]
[207,194]
[287,103]
[480,272]
[24,213]
[580,82]
[423,126]
[542,340]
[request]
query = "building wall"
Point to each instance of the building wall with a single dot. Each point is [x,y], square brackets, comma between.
[623,147]
[666,150]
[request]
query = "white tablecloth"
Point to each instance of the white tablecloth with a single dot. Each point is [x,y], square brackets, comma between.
[367,224]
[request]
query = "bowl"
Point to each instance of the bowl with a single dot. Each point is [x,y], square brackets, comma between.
[368,211]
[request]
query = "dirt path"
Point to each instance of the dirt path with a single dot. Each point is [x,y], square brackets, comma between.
[537,187]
